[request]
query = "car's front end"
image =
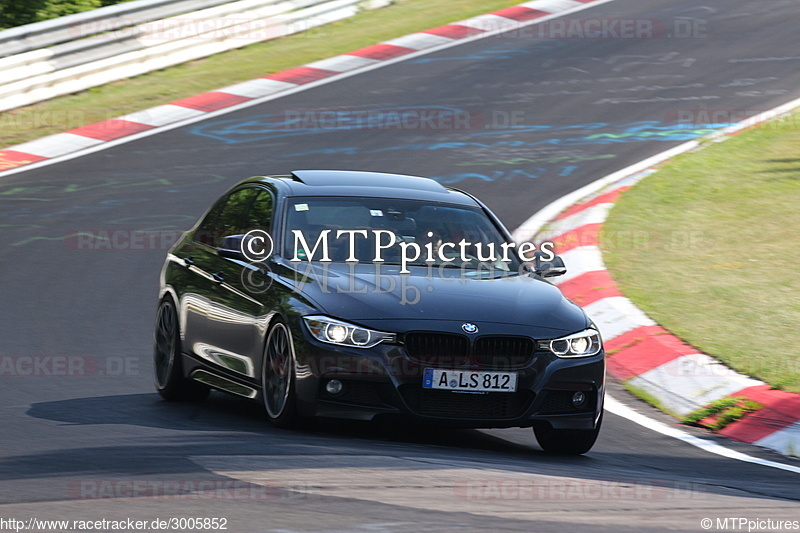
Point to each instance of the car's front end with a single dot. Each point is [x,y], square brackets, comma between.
[502,352]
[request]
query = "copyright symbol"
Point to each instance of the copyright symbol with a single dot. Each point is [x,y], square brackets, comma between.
[257,246]
[256,281]
[706,523]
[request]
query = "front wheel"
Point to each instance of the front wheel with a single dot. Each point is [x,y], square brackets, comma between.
[169,380]
[567,441]
[277,376]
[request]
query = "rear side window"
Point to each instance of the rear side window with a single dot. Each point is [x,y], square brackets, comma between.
[226,218]
[260,214]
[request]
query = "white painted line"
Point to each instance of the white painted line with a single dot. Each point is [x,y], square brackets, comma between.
[56,145]
[419,41]
[620,409]
[162,115]
[596,214]
[785,441]
[579,261]
[690,382]
[552,5]
[616,315]
[530,227]
[342,63]
[257,88]
[489,23]
[761,117]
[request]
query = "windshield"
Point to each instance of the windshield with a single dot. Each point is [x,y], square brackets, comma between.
[394,232]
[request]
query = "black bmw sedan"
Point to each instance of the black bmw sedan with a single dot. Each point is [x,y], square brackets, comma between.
[358,294]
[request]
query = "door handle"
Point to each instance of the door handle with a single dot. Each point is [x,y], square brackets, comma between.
[219,278]
[188,261]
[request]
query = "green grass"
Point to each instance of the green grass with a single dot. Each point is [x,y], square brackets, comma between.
[258,60]
[717,256]
[725,411]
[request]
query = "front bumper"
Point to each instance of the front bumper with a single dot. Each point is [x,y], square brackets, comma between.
[385,381]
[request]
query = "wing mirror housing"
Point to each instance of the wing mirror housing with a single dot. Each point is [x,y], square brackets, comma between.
[548,269]
[231,247]
[235,246]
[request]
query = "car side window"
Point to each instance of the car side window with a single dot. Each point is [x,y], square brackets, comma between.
[205,231]
[260,214]
[226,218]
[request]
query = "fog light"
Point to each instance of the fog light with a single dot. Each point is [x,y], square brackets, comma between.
[334,387]
[578,399]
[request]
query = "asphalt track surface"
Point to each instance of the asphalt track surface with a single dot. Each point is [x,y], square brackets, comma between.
[70,442]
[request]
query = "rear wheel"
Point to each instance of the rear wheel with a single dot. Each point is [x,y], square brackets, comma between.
[567,441]
[277,376]
[169,380]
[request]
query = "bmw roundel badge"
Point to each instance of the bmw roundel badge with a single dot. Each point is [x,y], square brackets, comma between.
[469,328]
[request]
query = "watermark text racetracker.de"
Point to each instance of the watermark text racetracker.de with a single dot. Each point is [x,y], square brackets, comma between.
[578,490]
[122,239]
[602,28]
[210,29]
[761,118]
[176,489]
[59,366]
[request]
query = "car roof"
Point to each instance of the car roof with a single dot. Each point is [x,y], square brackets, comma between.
[367,184]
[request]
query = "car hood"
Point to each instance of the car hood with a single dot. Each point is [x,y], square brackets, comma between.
[371,295]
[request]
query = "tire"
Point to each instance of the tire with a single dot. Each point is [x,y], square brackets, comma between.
[567,441]
[167,362]
[277,377]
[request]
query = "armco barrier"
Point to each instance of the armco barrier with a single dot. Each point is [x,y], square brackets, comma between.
[38,35]
[81,51]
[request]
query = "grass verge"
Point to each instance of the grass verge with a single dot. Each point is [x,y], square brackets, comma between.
[718,248]
[258,60]
[648,398]
[722,413]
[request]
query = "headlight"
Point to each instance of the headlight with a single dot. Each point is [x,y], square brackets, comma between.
[335,331]
[581,344]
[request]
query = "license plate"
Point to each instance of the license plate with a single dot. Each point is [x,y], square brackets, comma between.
[469,380]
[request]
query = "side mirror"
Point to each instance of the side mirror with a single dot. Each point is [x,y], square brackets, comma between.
[548,269]
[231,247]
